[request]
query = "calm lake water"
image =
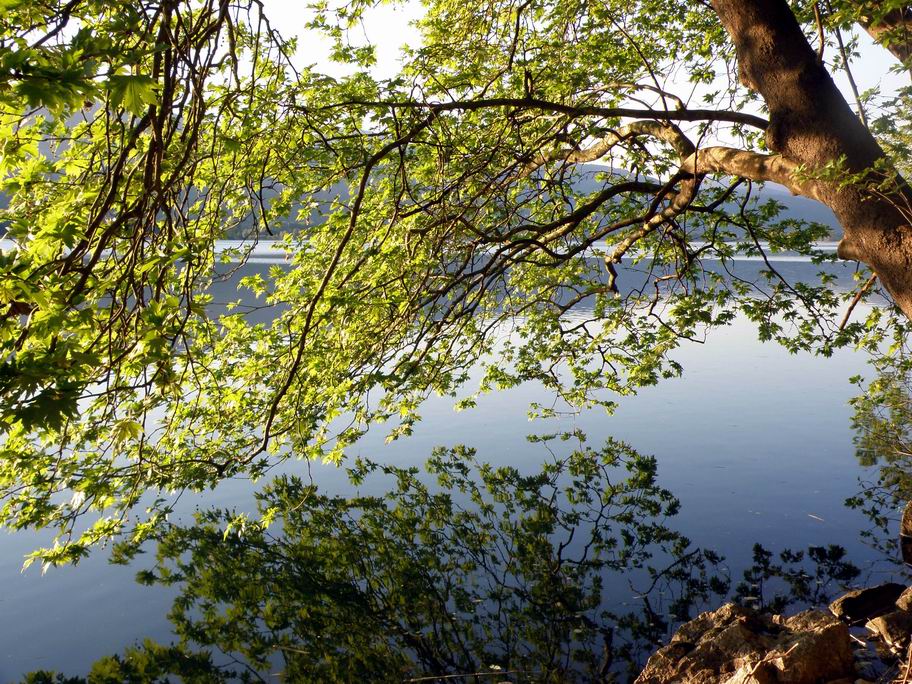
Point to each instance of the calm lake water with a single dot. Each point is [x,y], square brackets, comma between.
[756,443]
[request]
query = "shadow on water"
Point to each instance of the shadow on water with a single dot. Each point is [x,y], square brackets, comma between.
[467,572]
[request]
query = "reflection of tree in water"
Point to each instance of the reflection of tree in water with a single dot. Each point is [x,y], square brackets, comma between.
[467,569]
[883,441]
[486,569]
[806,578]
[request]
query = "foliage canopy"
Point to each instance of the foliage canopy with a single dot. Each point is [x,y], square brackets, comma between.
[445,217]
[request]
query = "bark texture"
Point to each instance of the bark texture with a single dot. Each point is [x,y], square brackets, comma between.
[811,124]
[893,30]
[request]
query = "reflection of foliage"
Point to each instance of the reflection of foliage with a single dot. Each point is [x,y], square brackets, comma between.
[883,413]
[674,591]
[792,582]
[149,664]
[488,570]
[883,424]
[465,569]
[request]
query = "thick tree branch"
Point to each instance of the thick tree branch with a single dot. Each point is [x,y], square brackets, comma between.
[753,166]
[662,131]
[694,115]
[893,31]
[811,124]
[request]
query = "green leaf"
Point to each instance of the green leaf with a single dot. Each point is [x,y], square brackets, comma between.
[133,93]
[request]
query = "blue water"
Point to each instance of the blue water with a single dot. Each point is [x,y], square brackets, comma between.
[756,443]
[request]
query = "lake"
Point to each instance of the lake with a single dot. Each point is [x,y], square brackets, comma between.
[755,443]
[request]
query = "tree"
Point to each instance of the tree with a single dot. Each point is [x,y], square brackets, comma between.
[424,217]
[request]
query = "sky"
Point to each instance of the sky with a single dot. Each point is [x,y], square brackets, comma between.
[389,27]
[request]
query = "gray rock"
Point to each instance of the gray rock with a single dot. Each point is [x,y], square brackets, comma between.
[863,604]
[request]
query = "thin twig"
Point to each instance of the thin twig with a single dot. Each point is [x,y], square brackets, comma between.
[857,298]
[496,673]
[905,678]
[765,659]
[820,34]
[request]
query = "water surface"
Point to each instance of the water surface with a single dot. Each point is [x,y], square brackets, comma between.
[755,442]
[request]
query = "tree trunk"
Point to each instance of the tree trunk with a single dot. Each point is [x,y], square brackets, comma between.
[812,124]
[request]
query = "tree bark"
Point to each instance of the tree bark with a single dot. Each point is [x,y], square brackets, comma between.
[811,124]
[893,31]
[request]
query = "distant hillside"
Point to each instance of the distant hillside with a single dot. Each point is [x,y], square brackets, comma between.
[802,208]
[795,207]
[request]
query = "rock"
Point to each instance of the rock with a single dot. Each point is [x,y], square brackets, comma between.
[754,673]
[735,645]
[904,602]
[893,629]
[863,604]
[905,548]
[817,648]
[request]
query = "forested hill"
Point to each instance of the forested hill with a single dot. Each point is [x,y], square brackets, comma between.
[794,207]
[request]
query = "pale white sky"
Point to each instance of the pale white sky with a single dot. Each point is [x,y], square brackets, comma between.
[389,27]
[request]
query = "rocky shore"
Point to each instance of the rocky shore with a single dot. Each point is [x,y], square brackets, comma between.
[864,637]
